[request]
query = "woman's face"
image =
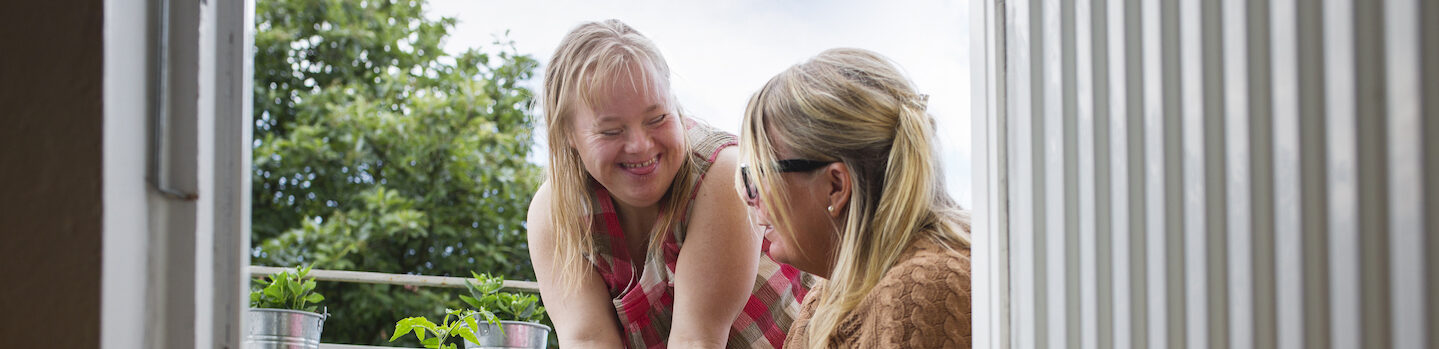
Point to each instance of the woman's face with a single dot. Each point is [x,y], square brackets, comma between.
[633,144]
[811,241]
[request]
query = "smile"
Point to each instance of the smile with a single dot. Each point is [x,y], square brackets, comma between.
[651,161]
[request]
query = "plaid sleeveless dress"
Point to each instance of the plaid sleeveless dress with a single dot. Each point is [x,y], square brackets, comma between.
[644,303]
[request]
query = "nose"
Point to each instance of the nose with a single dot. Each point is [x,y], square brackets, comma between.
[638,141]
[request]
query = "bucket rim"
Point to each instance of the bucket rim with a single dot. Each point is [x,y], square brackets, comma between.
[301,312]
[527,323]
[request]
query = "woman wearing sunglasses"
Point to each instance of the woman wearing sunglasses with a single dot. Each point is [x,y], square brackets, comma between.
[632,247]
[841,169]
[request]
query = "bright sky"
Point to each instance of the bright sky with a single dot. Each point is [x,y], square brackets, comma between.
[721,52]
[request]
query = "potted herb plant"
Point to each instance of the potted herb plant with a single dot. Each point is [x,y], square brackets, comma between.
[282,312]
[519,316]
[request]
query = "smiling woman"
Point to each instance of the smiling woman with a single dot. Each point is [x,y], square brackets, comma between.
[631,245]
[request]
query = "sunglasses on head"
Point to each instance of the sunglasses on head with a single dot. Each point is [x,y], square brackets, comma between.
[782,166]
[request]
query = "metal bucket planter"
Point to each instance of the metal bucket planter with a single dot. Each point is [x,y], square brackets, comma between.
[518,335]
[284,329]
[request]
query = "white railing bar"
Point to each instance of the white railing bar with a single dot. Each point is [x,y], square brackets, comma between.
[394,279]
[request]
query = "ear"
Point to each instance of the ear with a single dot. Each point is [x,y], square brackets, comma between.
[840,183]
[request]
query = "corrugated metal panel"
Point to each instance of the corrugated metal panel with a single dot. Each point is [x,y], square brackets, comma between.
[1205,174]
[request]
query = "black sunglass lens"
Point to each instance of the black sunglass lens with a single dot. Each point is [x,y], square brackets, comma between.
[748,186]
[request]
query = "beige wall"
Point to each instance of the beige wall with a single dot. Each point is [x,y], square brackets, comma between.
[50,172]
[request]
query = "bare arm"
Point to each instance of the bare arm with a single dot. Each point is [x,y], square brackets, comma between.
[716,268]
[584,316]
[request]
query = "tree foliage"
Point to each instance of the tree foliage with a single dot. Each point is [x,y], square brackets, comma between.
[376,150]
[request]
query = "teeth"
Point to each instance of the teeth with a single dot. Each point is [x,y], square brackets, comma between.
[642,164]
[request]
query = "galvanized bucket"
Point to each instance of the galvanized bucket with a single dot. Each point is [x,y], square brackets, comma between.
[518,335]
[284,329]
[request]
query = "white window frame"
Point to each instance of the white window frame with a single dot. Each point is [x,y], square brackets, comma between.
[177,106]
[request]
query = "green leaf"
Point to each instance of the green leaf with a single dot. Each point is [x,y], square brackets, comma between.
[432,342]
[471,301]
[469,334]
[426,324]
[403,327]
[273,291]
[292,286]
[473,325]
[529,310]
[492,320]
[314,298]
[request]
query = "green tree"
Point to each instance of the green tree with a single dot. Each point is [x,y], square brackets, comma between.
[376,150]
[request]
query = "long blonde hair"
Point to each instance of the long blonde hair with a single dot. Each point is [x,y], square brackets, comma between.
[854,106]
[589,58]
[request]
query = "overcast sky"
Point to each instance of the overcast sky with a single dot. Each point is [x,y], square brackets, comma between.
[721,52]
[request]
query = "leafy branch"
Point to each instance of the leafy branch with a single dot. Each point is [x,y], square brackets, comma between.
[464,327]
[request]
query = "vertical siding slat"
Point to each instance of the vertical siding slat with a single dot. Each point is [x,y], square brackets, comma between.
[1430,65]
[1289,285]
[1154,176]
[1154,190]
[1165,254]
[1087,203]
[1172,157]
[1314,175]
[1236,110]
[1194,201]
[1240,259]
[1020,77]
[1371,181]
[1068,155]
[1097,61]
[1406,217]
[1051,150]
[1260,208]
[1215,167]
[1342,160]
[1121,97]
[1127,149]
[991,221]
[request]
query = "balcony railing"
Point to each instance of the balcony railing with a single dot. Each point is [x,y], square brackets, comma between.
[365,277]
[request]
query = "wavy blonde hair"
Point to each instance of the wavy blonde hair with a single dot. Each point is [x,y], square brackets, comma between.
[855,107]
[588,62]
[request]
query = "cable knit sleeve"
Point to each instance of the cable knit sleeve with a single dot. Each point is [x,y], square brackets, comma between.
[924,302]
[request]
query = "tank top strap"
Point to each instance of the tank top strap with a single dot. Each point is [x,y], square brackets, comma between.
[706,142]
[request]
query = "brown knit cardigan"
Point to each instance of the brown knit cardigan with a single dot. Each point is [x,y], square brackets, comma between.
[922,302]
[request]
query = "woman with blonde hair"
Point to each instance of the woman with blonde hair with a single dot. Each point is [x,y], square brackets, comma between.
[840,165]
[631,245]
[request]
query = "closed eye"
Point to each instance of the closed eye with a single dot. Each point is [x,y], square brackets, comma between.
[659,119]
